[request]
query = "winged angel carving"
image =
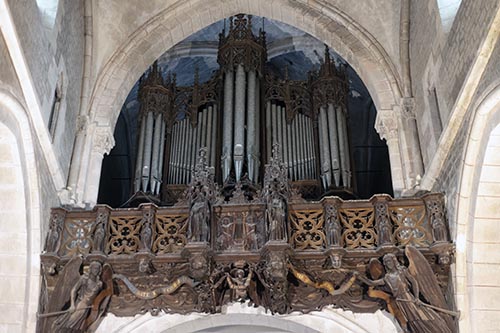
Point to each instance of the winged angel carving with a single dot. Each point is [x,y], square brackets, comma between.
[421,309]
[79,301]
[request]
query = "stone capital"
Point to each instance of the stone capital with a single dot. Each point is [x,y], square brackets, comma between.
[386,124]
[408,108]
[103,140]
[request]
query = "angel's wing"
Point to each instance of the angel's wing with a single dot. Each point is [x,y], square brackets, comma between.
[376,269]
[67,279]
[420,269]
[62,290]
[102,299]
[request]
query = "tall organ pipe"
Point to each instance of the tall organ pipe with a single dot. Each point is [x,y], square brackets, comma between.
[173,145]
[138,165]
[325,160]
[289,150]
[347,154]
[208,139]
[156,153]
[268,131]
[256,151]
[295,147]
[251,129]
[239,122]
[334,144]
[146,165]
[284,150]
[161,156]
[342,145]
[213,132]
[274,126]
[227,142]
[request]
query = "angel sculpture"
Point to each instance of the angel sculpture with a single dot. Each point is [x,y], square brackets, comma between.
[412,313]
[88,297]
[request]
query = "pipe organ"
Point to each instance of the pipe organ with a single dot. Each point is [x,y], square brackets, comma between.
[238,115]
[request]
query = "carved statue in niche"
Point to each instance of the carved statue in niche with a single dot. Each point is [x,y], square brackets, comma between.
[88,298]
[147,232]
[384,225]
[99,235]
[333,228]
[437,219]
[53,237]
[407,286]
[276,218]
[199,217]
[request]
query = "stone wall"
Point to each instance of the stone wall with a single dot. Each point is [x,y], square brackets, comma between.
[54,56]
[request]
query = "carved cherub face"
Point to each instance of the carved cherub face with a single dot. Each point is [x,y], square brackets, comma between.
[336,260]
[390,262]
[199,266]
[95,268]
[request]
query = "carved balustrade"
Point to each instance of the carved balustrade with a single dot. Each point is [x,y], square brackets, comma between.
[158,262]
[357,225]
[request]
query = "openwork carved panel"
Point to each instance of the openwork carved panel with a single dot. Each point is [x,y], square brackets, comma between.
[124,234]
[78,236]
[411,226]
[171,233]
[359,230]
[307,232]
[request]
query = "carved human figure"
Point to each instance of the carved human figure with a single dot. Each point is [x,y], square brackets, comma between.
[52,242]
[83,294]
[333,229]
[99,235]
[336,260]
[438,227]
[419,316]
[146,236]
[199,218]
[238,282]
[384,226]
[276,218]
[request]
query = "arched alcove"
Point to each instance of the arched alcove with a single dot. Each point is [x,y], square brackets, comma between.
[291,54]
[478,220]
[20,228]
[163,31]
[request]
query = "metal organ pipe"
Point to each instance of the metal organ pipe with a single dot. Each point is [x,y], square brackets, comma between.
[161,154]
[342,145]
[334,145]
[155,154]
[140,150]
[284,149]
[172,162]
[289,150]
[302,146]
[227,142]
[146,165]
[239,122]
[268,131]
[251,128]
[295,148]
[325,160]
[212,133]
[208,139]
[347,154]
[256,151]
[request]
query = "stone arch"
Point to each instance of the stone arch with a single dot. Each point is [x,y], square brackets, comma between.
[20,204]
[240,316]
[478,220]
[323,21]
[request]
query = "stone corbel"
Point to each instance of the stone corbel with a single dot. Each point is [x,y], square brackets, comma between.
[103,140]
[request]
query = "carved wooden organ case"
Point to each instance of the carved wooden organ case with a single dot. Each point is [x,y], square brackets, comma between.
[237,115]
[236,154]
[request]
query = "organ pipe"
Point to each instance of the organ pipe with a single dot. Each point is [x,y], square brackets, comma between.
[227,142]
[312,134]
[334,144]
